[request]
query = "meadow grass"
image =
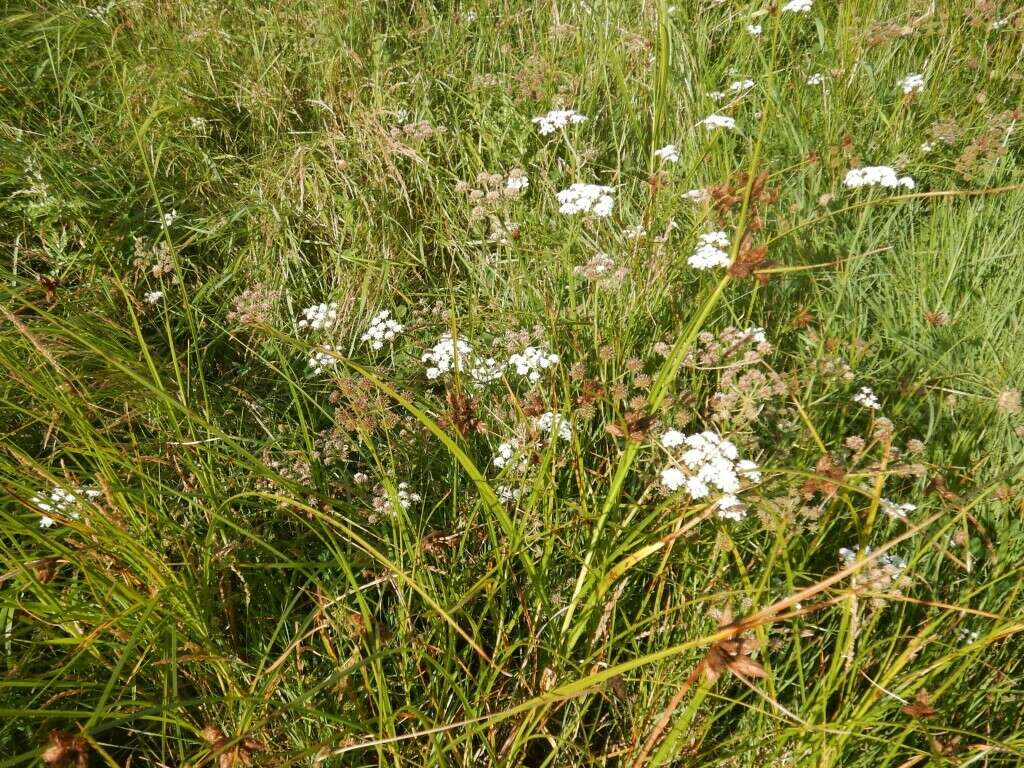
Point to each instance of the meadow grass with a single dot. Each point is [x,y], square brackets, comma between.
[229,539]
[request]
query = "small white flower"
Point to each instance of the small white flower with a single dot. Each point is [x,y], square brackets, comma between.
[911,84]
[668,153]
[927,147]
[967,636]
[731,508]
[714,122]
[739,86]
[709,253]
[441,359]
[797,6]
[586,198]
[754,30]
[170,217]
[867,398]
[319,316]
[716,95]
[634,232]
[323,359]
[673,478]
[554,424]
[383,328]
[877,176]
[709,462]
[897,511]
[60,501]
[517,181]
[152,297]
[673,438]
[557,119]
[756,334]
[998,24]
[532,361]
[816,79]
[505,453]
[507,493]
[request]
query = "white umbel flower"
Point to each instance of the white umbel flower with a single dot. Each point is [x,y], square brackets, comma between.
[668,154]
[586,198]
[383,328]
[557,119]
[739,86]
[877,176]
[867,398]
[797,6]
[324,359]
[319,316]
[897,511]
[708,464]
[517,180]
[60,501]
[505,453]
[555,425]
[441,360]
[912,83]
[816,79]
[709,252]
[152,297]
[532,361]
[714,122]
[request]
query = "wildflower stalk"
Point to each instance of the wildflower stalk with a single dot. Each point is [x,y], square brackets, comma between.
[659,390]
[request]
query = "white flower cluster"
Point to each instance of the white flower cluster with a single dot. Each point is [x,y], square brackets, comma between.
[912,83]
[60,501]
[382,328]
[669,153]
[319,316]
[888,561]
[505,453]
[797,6]
[555,425]
[152,297]
[709,462]
[754,30]
[897,511]
[739,86]
[517,180]
[876,176]
[713,122]
[586,198]
[709,251]
[507,493]
[441,359]
[867,397]
[385,503]
[406,497]
[323,359]
[816,79]
[557,119]
[532,361]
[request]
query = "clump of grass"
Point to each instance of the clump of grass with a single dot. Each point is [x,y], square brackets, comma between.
[353,416]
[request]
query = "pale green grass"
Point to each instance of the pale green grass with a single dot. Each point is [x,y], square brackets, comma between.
[211,585]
